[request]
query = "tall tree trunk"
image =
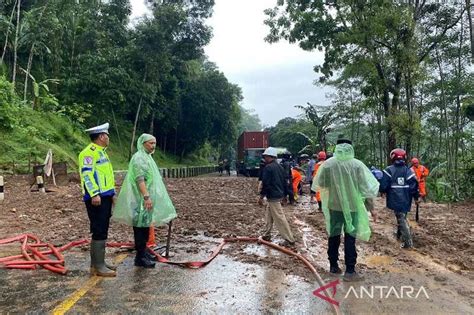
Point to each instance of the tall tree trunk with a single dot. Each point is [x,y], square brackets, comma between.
[381,147]
[409,100]
[388,112]
[151,130]
[372,138]
[352,114]
[445,116]
[116,129]
[28,69]
[393,112]
[135,124]
[8,32]
[458,129]
[176,141]
[30,57]
[15,45]
[471,31]
[135,128]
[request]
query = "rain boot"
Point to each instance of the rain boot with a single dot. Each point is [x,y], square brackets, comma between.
[141,260]
[141,238]
[98,260]
[110,266]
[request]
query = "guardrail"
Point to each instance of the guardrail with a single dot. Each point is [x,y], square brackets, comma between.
[187,171]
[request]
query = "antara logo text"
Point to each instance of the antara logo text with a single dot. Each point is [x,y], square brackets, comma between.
[371,292]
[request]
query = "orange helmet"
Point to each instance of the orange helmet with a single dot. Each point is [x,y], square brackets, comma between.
[322,156]
[398,154]
[415,161]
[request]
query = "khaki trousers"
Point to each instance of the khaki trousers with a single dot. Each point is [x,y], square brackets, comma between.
[274,213]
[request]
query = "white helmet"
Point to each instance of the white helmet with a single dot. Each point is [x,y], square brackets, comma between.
[270,152]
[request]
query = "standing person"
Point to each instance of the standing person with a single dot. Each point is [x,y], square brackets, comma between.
[286,164]
[309,170]
[345,183]
[143,200]
[220,167]
[227,166]
[321,159]
[297,178]
[421,172]
[400,186]
[274,188]
[98,188]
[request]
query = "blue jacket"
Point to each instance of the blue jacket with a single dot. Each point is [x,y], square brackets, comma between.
[400,185]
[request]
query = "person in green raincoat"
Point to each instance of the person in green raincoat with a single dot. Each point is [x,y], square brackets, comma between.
[143,200]
[345,183]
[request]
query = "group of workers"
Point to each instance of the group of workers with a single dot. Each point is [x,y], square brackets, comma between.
[343,186]
[344,189]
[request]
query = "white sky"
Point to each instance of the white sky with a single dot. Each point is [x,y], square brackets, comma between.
[273,77]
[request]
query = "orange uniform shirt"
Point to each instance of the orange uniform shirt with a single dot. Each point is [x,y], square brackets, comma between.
[296,180]
[315,172]
[421,172]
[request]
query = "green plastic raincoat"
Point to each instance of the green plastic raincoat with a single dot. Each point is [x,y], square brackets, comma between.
[345,183]
[129,208]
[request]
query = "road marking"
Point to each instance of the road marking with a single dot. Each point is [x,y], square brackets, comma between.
[67,304]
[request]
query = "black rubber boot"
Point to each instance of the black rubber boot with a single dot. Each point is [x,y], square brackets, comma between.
[142,261]
[141,237]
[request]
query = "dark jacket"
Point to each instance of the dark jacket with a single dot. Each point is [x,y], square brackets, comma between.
[274,182]
[400,185]
[286,164]
[261,166]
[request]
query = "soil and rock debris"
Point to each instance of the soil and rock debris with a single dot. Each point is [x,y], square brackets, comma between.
[214,207]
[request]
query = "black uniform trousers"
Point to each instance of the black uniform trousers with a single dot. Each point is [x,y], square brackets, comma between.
[99,217]
[337,222]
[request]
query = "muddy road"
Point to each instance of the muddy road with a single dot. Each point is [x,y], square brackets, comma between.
[245,278]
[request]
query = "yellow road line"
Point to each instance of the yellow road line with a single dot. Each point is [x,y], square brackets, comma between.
[67,304]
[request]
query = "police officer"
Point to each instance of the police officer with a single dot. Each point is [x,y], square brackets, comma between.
[98,188]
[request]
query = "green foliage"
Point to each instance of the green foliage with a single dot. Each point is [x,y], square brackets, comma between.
[292,134]
[403,74]
[104,69]
[9,105]
[249,121]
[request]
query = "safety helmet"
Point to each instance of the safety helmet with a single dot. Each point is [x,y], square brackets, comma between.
[270,151]
[398,154]
[322,156]
[415,161]
[304,156]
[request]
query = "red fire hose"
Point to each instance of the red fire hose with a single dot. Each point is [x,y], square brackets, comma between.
[31,255]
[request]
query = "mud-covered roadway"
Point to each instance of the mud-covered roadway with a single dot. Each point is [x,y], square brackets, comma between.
[214,207]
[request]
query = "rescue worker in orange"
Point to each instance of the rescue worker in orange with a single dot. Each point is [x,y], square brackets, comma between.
[321,159]
[421,172]
[297,178]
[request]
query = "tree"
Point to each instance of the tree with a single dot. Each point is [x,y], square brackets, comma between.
[392,38]
[249,120]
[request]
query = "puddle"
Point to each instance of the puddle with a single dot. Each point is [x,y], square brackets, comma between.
[374,261]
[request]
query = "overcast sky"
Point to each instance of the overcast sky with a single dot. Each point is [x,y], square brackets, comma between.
[273,77]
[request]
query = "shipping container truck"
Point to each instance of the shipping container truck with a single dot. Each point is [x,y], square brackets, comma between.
[250,147]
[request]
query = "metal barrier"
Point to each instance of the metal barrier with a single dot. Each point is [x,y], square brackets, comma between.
[187,171]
